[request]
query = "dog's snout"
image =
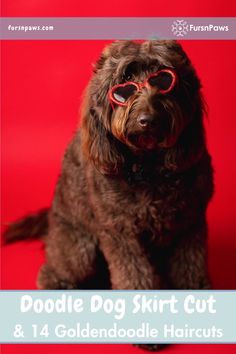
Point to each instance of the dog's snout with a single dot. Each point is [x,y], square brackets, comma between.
[145,120]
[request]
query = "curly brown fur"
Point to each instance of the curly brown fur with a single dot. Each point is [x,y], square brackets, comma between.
[130,205]
[31,226]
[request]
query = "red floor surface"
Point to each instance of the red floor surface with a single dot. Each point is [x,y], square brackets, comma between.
[42,83]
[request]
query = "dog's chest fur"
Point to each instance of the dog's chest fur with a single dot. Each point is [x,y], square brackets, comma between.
[146,200]
[160,203]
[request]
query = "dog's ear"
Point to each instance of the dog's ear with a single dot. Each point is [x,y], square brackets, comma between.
[191,143]
[98,143]
[99,146]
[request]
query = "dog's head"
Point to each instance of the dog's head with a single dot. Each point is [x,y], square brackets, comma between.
[144,97]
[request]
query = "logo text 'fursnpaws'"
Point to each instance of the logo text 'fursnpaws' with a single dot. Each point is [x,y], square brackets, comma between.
[180,28]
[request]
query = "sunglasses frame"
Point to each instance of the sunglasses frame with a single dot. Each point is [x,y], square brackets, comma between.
[140,85]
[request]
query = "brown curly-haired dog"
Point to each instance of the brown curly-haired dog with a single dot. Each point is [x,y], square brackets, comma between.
[130,205]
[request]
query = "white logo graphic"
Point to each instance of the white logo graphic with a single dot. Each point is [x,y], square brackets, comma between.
[180,28]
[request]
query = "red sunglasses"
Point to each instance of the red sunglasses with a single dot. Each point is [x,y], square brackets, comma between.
[163,80]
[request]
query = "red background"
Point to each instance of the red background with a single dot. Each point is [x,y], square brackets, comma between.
[42,83]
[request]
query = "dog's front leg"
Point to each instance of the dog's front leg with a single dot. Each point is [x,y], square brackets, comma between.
[187,265]
[128,265]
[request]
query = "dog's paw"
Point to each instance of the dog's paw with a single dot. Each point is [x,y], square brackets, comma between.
[47,279]
[150,347]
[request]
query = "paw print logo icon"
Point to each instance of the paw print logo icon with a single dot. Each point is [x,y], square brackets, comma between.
[180,28]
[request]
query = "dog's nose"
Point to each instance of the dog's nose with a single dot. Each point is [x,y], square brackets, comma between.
[145,120]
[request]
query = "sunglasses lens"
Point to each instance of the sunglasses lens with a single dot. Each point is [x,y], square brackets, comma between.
[163,80]
[122,93]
